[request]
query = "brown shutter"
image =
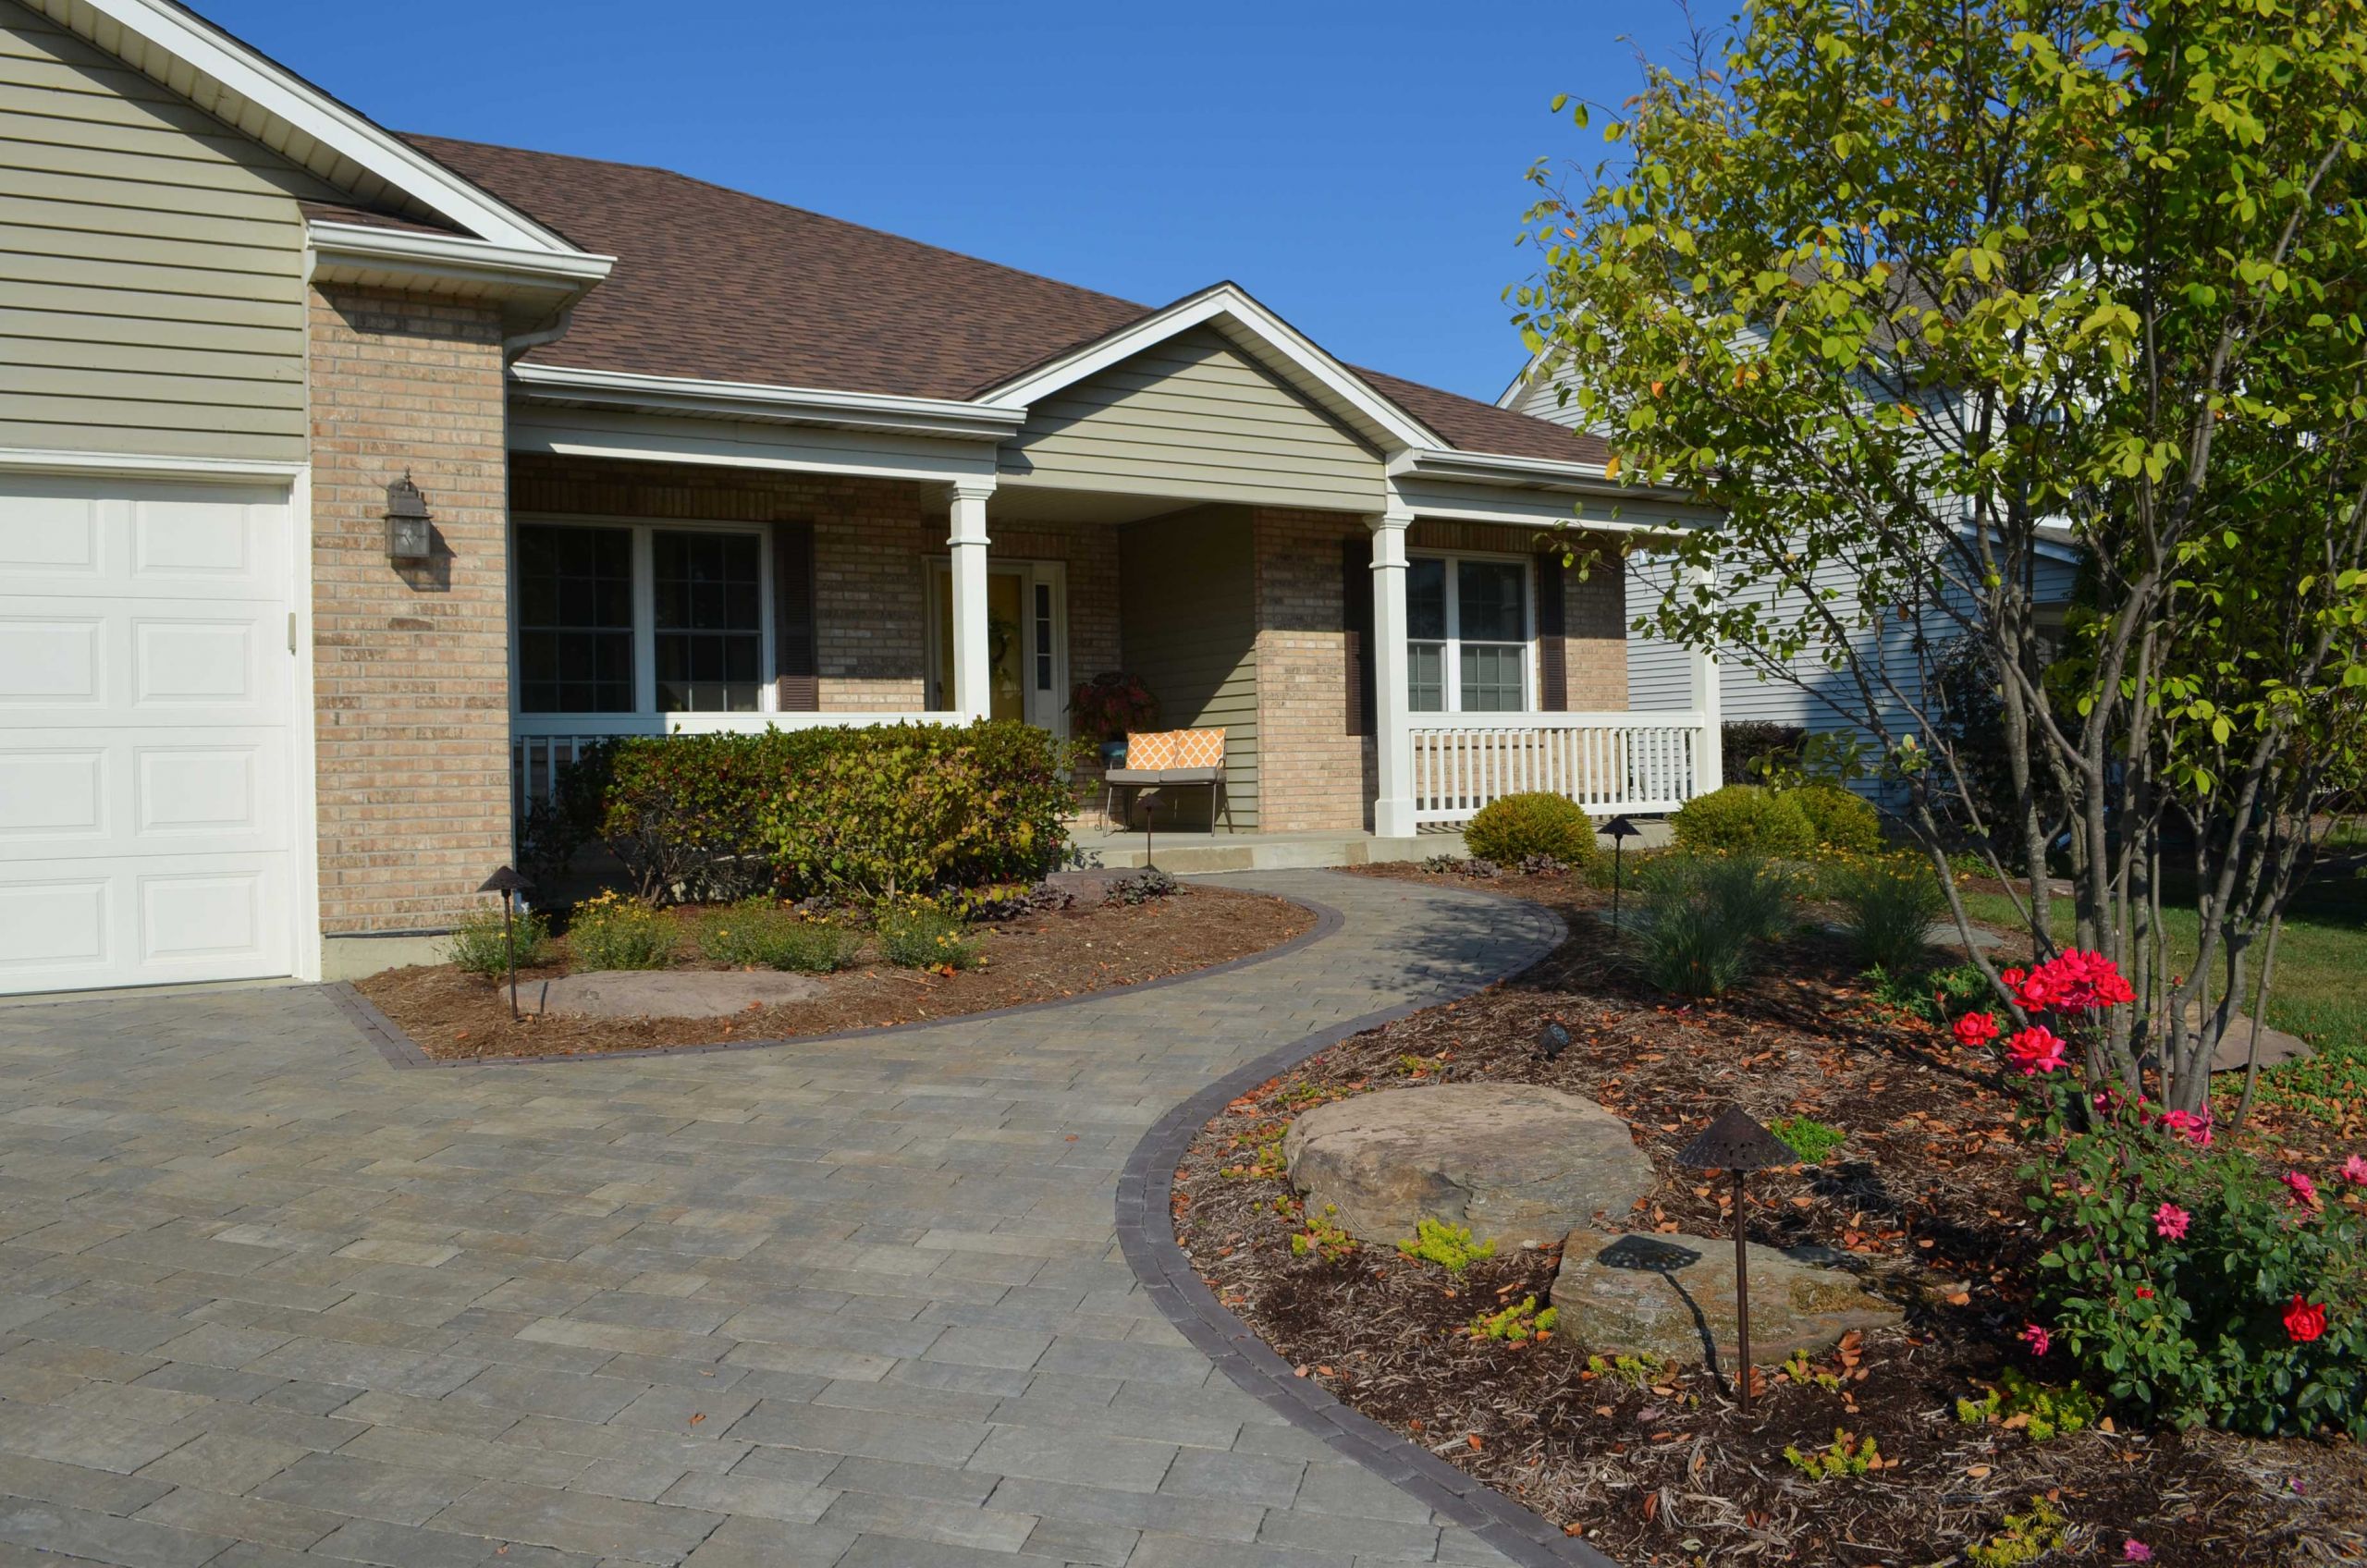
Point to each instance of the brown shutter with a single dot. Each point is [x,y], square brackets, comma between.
[1355,620]
[1553,640]
[796,666]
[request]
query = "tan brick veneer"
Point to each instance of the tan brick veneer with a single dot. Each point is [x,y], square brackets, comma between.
[410,666]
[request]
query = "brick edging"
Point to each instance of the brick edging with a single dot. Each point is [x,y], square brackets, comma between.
[400,1050]
[1147,1237]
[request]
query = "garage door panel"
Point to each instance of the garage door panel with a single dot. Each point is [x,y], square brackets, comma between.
[146,739]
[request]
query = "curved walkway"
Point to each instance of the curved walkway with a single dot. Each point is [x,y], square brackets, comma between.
[852,1303]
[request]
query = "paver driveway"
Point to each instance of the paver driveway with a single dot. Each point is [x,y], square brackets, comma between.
[854,1303]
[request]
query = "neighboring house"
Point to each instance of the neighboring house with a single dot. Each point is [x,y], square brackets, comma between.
[691,460]
[1660,674]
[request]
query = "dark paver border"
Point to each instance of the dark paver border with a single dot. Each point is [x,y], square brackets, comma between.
[1147,1237]
[400,1050]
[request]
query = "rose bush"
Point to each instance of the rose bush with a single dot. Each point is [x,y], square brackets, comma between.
[2179,1276]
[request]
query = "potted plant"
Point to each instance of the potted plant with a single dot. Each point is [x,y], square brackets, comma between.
[1104,708]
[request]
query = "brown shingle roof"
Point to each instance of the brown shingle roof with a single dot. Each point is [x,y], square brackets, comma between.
[717,285]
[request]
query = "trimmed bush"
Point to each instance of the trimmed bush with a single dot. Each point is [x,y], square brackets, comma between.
[1755,749]
[1747,817]
[1842,819]
[918,936]
[759,934]
[1511,830]
[1887,906]
[477,943]
[611,932]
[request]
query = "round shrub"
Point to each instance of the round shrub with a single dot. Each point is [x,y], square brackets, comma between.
[480,946]
[1745,816]
[1511,830]
[607,931]
[1842,818]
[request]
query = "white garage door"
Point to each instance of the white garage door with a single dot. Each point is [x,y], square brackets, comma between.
[145,759]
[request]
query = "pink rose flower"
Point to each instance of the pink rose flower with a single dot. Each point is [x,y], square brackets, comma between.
[2134,1550]
[2038,1339]
[2304,1190]
[1976,1029]
[2170,1222]
[2354,1170]
[2035,1049]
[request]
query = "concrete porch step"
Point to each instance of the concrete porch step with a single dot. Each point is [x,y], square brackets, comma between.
[1187,854]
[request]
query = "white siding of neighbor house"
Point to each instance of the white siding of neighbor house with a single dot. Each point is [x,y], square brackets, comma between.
[151,295]
[1193,416]
[1660,673]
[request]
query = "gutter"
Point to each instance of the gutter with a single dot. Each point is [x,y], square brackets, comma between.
[757,400]
[538,288]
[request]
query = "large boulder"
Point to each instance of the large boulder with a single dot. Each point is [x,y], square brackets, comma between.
[1673,1297]
[1515,1162]
[672,993]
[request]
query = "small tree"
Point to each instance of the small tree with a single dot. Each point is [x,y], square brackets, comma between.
[1905,286]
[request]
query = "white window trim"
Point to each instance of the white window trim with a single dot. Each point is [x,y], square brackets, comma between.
[645,610]
[1451,658]
[1046,710]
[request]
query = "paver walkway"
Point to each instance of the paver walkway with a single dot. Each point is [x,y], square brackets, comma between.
[267,1301]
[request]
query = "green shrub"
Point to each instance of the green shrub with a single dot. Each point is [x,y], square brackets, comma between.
[611,932]
[2043,1412]
[477,943]
[1936,996]
[919,937]
[1846,1459]
[1756,748]
[1749,893]
[1515,1324]
[760,934]
[2241,1306]
[1449,1246]
[1842,819]
[1811,1139]
[1747,817]
[2025,1540]
[1887,905]
[881,813]
[1511,828]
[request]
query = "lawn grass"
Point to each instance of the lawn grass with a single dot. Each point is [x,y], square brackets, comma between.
[2321,991]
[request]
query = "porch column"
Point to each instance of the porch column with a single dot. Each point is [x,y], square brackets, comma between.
[1709,764]
[972,663]
[1393,806]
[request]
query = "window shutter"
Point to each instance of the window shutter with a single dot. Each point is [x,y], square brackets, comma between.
[1355,620]
[1552,627]
[796,665]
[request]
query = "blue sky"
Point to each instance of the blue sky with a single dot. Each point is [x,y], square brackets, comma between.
[1359,167]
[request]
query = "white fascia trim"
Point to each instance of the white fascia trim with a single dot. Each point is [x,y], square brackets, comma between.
[146,466]
[1224,302]
[1510,395]
[265,83]
[454,256]
[756,400]
[1485,468]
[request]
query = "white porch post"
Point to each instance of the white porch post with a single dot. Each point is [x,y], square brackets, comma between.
[1393,806]
[972,694]
[1709,763]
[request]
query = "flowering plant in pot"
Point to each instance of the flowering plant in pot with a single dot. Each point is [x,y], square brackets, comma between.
[2181,1276]
[1104,708]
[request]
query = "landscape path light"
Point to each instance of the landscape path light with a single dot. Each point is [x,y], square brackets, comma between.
[1734,1142]
[1619,830]
[509,885]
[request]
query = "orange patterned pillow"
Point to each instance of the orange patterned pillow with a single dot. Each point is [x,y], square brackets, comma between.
[1161,749]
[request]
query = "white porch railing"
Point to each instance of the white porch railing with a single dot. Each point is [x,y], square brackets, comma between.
[1609,763]
[542,747]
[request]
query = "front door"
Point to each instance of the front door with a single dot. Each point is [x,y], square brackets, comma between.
[1026,642]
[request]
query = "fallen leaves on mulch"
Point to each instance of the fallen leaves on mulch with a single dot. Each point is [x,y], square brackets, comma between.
[1037,958]
[1665,1467]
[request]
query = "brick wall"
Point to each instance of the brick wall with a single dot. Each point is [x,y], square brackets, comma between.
[410,666]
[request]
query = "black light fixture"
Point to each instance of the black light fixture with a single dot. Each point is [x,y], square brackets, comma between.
[1620,830]
[1552,1040]
[509,885]
[1150,802]
[1734,1142]
[408,537]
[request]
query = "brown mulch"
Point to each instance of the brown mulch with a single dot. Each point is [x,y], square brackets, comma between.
[1662,1468]
[1036,958]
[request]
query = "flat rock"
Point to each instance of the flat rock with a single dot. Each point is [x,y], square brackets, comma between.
[672,993]
[1088,886]
[2277,1047]
[1516,1162]
[1673,1297]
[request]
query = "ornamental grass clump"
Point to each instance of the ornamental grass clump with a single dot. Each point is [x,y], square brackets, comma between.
[2181,1279]
[1887,906]
[479,944]
[610,931]
[923,936]
[1701,915]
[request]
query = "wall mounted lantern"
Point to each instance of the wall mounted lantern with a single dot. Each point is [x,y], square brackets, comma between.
[407,534]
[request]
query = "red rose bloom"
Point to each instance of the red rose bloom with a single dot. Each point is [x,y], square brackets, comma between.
[2304,1321]
[1976,1029]
[2036,1049]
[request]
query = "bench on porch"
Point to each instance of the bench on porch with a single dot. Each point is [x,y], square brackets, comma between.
[1168,758]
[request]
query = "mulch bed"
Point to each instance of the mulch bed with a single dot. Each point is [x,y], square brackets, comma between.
[1036,958]
[1665,1468]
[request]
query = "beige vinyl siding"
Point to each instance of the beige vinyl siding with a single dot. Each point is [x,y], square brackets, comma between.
[1193,417]
[1187,616]
[151,295]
